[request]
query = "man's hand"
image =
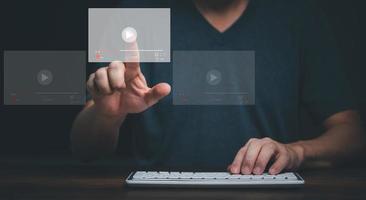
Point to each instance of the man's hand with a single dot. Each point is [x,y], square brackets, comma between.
[117,90]
[121,88]
[258,153]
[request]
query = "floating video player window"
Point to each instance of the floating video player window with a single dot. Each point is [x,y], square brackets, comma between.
[113,33]
[213,77]
[44,77]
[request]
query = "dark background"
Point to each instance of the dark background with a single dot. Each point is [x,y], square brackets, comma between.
[62,25]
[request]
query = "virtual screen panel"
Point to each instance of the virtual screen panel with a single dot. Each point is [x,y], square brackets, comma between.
[44,77]
[213,77]
[129,34]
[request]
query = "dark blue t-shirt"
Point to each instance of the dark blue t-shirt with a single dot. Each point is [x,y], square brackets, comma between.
[298,73]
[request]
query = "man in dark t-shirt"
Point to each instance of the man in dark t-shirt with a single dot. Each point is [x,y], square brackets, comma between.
[298,74]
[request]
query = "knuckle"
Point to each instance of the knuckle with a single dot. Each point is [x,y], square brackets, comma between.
[99,73]
[115,65]
[271,145]
[118,85]
[248,162]
[252,140]
[112,68]
[267,139]
[91,76]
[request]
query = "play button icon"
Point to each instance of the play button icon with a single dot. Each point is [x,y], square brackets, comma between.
[129,34]
[44,77]
[213,77]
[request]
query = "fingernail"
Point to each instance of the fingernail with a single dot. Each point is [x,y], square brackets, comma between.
[246,170]
[232,169]
[272,171]
[257,170]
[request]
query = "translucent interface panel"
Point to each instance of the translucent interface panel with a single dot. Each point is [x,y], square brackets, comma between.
[44,77]
[113,33]
[213,77]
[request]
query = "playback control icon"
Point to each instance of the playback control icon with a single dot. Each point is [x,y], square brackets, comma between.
[44,77]
[129,34]
[213,77]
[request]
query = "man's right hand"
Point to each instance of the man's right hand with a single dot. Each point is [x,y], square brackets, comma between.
[121,88]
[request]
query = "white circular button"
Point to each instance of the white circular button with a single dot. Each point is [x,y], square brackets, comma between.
[129,34]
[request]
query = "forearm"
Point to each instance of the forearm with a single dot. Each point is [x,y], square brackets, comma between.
[93,134]
[338,142]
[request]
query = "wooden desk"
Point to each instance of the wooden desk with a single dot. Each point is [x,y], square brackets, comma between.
[60,178]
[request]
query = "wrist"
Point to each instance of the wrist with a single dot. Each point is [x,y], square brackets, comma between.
[299,149]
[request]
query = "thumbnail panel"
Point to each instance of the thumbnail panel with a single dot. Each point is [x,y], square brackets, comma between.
[129,34]
[44,77]
[213,77]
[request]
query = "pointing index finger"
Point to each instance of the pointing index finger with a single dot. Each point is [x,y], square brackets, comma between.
[132,59]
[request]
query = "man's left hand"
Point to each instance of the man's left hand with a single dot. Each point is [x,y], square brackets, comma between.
[256,154]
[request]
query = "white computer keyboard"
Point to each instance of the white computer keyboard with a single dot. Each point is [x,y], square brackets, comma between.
[211,179]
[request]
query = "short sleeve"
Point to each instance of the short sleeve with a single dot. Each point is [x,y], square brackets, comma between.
[325,89]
